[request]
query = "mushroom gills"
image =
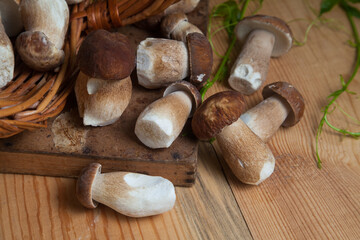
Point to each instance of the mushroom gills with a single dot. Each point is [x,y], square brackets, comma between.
[266,118]
[162,121]
[250,68]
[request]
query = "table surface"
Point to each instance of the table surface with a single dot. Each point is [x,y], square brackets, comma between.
[298,201]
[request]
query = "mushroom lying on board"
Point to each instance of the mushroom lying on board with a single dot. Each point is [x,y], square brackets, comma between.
[264,37]
[131,194]
[46,24]
[7,58]
[161,122]
[249,158]
[160,62]
[103,88]
[282,105]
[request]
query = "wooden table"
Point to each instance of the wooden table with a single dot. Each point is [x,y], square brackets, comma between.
[298,201]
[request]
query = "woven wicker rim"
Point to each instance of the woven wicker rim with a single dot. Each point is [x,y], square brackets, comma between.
[32,97]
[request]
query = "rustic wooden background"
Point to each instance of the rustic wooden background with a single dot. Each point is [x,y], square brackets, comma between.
[297,202]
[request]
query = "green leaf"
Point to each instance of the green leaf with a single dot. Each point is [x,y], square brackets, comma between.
[327,5]
[350,9]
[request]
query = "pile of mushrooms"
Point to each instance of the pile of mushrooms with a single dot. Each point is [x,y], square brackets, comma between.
[103,88]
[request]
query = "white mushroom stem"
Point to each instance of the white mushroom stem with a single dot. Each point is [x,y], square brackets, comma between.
[250,68]
[160,62]
[265,118]
[7,58]
[162,121]
[249,158]
[182,6]
[132,194]
[182,30]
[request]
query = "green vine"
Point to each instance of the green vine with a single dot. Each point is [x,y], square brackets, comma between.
[351,12]
[231,14]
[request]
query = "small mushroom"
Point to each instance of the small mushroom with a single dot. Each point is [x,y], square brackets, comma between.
[10,17]
[46,24]
[282,105]
[103,87]
[160,62]
[161,122]
[249,158]
[265,37]
[131,194]
[7,58]
[176,26]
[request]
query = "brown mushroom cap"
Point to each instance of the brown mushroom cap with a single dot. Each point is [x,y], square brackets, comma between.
[38,52]
[292,96]
[188,88]
[200,57]
[281,31]
[217,112]
[106,55]
[170,22]
[84,185]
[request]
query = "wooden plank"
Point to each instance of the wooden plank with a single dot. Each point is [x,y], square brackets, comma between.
[35,207]
[66,146]
[300,201]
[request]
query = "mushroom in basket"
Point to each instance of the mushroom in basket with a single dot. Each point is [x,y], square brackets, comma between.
[103,88]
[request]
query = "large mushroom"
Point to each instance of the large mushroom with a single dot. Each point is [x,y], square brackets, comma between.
[161,122]
[249,158]
[131,194]
[46,24]
[103,88]
[264,37]
[282,105]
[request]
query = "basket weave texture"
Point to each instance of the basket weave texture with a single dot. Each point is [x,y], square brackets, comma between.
[32,97]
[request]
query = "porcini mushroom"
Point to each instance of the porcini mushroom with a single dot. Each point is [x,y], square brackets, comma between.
[160,62]
[282,105]
[10,17]
[46,24]
[131,194]
[176,26]
[265,37]
[103,88]
[161,122]
[249,158]
[7,58]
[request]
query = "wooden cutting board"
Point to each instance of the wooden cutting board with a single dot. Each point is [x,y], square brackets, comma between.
[66,146]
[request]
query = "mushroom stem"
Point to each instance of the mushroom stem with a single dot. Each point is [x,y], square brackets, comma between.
[250,165]
[250,68]
[162,121]
[266,118]
[132,194]
[160,62]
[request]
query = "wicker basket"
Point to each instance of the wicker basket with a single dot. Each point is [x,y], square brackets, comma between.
[33,97]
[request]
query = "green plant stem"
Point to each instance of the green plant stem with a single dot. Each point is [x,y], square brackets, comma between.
[339,92]
[226,57]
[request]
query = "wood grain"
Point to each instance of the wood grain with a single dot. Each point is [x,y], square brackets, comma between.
[35,207]
[300,201]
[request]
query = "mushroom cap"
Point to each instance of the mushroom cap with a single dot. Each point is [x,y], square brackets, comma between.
[84,185]
[200,58]
[106,55]
[170,22]
[188,88]
[292,96]
[217,112]
[281,31]
[38,52]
